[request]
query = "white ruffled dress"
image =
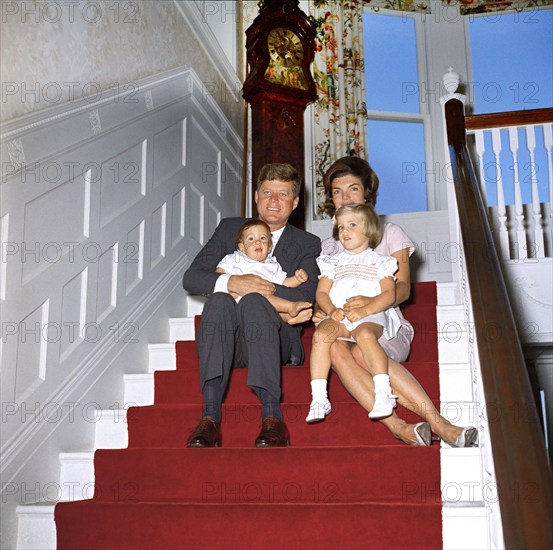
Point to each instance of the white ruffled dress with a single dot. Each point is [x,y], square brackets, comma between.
[360,275]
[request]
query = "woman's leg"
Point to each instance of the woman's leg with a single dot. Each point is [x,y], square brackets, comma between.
[359,384]
[412,396]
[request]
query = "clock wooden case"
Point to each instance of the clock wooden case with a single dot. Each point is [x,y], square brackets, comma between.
[279,86]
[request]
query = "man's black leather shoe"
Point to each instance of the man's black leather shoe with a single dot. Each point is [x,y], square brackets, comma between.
[274,433]
[207,434]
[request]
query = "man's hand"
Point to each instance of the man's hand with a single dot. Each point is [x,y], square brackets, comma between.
[246,284]
[301,275]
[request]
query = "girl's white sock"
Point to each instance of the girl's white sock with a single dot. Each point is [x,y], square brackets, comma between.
[318,388]
[382,384]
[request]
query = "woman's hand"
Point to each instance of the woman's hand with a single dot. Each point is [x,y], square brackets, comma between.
[356,302]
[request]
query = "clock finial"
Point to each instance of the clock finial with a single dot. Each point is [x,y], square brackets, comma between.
[286,6]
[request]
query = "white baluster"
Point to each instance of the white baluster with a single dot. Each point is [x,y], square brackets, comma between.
[521,248]
[501,210]
[548,140]
[538,227]
[480,149]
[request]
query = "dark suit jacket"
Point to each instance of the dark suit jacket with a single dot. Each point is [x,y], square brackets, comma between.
[296,249]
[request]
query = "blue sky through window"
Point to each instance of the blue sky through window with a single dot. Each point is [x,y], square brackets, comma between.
[512,61]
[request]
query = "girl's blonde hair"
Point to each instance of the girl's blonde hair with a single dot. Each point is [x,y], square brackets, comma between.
[372,226]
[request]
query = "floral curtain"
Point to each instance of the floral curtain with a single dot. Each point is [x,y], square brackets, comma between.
[340,110]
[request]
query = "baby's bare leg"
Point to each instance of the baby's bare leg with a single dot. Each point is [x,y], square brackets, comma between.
[286,306]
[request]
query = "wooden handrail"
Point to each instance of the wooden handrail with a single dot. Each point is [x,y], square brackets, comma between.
[510,118]
[524,482]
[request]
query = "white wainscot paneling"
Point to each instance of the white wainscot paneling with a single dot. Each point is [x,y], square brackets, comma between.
[178,212]
[32,348]
[232,183]
[106,289]
[73,328]
[46,233]
[196,215]
[159,233]
[134,257]
[104,206]
[169,152]
[123,182]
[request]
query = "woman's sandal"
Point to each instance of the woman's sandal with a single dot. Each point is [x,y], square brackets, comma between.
[423,435]
[467,438]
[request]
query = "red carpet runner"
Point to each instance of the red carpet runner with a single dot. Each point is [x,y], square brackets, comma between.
[343,483]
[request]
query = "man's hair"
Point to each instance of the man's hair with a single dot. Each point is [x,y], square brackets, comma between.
[350,166]
[372,226]
[252,223]
[280,172]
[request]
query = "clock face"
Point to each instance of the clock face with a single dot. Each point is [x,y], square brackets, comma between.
[286,56]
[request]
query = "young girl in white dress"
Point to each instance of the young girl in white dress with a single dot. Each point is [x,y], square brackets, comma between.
[254,241]
[358,270]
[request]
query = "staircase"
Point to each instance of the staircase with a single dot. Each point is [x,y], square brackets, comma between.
[343,483]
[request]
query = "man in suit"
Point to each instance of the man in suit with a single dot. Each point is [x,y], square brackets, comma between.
[250,333]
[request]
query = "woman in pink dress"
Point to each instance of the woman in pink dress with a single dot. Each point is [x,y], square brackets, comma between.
[351,180]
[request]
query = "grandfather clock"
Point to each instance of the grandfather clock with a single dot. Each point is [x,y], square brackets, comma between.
[279,86]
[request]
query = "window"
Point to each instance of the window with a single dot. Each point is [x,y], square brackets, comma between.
[398,125]
[512,70]
[512,64]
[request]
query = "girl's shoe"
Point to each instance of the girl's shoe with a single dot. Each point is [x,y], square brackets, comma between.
[383,405]
[318,409]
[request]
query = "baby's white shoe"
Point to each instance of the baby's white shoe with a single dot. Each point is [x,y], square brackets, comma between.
[318,409]
[384,404]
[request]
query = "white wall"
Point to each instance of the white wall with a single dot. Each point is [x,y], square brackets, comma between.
[103,208]
[57,50]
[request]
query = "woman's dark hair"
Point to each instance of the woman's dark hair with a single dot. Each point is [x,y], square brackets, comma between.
[350,166]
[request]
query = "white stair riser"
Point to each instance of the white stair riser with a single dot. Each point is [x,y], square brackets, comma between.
[465,528]
[139,390]
[36,529]
[448,294]
[195,305]
[111,430]
[181,329]
[76,476]
[461,476]
[455,382]
[161,357]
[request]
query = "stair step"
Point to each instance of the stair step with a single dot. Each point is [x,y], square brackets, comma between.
[183,385]
[461,475]
[295,525]
[466,527]
[168,426]
[76,476]
[161,357]
[181,328]
[226,475]
[423,349]
[111,429]
[139,389]
[36,529]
